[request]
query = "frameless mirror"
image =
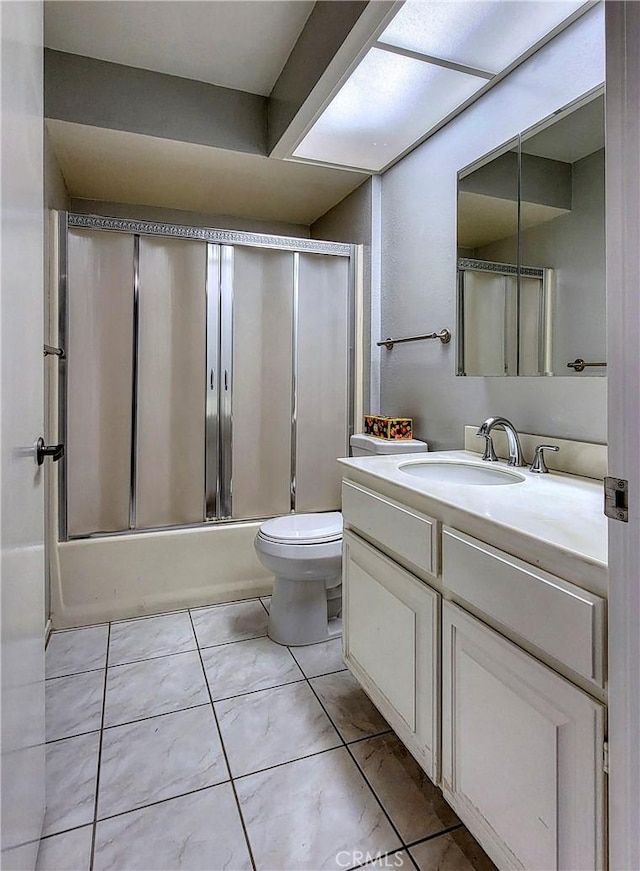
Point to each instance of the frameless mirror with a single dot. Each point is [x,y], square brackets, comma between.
[531,291]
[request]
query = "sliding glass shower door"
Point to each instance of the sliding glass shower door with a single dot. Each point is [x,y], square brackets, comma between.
[171,358]
[261,355]
[99,381]
[206,381]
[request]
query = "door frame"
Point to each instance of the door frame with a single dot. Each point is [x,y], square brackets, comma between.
[622,23]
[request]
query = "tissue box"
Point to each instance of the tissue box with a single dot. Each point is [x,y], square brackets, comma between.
[387,427]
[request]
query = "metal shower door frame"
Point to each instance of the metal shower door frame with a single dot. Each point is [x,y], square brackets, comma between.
[218,398]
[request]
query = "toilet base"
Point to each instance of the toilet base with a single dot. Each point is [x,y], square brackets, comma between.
[298,613]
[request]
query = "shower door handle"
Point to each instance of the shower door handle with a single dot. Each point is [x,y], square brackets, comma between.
[211,383]
[226,380]
[56,452]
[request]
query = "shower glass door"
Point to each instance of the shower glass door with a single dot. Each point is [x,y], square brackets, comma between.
[99,381]
[259,346]
[206,380]
[171,381]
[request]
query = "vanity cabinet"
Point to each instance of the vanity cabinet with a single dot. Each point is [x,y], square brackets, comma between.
[391,645]
[491,670]
[522,751]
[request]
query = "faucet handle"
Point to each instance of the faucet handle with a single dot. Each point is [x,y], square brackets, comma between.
[539,464]
[489,451]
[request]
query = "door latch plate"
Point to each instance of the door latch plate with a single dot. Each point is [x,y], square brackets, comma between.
[616,499]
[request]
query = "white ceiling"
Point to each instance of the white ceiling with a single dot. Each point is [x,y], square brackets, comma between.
[240,44]
[112,165]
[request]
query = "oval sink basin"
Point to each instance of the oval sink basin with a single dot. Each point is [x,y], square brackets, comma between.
[451,472]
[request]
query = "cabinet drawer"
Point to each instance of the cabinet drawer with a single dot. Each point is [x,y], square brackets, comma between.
[408,534]
[554,615]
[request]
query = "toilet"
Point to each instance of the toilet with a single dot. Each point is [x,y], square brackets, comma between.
[304,552]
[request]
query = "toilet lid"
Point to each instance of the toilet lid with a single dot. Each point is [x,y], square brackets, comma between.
[304,528]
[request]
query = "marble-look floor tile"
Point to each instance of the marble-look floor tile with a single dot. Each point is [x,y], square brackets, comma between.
[245,666]
[416,807]
[273,726]
[76,650]
[455,851]
[323,658]
[70,851]
[71,774]
[133,640]
[354,714]
[160,758]
[74,704]
[191,833]
[315,813]
[154,686]
[235,622]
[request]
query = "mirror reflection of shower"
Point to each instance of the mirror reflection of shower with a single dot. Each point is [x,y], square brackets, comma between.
[531,289]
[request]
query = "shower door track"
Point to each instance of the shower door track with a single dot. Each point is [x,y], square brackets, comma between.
[217,485]
[206,234]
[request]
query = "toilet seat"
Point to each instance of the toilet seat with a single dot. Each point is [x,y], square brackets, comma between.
[303,529]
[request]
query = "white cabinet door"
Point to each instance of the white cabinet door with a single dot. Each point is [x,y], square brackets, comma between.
[391,643]
[522,752]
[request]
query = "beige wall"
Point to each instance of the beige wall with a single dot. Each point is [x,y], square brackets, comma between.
[350,221]
[419,260]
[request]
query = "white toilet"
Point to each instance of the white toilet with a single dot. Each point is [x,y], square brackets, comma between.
[304,552]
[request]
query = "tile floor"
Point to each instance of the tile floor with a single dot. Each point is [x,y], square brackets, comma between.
[192,741]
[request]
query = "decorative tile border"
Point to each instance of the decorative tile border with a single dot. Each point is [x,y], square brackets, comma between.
[501,268]
[206,234]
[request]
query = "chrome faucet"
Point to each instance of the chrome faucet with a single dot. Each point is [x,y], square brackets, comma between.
[513,442]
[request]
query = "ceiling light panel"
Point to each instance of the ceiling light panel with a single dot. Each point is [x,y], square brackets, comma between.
[386,105]
[483,34]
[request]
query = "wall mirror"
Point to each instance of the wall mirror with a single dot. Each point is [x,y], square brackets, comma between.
[531,251]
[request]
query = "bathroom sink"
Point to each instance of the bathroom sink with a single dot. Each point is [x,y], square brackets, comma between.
[456,472]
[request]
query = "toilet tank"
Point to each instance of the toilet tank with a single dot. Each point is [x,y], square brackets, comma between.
[366,446]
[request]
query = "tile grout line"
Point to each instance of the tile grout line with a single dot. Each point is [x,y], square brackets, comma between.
[366,779]
[303,679]
[231,780]
[286,762]
[198,789]
[71,674]
[104,706]
[142,807]
[201,788]
[346,746]
[446,831]
[405,844]
[153,658]
[224,751]
[178,653]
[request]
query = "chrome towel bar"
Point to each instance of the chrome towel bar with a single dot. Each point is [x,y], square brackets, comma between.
[579,364]
[443,335]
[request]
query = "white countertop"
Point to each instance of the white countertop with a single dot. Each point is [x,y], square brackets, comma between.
[555,520]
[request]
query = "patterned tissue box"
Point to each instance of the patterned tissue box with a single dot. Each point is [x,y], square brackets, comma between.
[387,427]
